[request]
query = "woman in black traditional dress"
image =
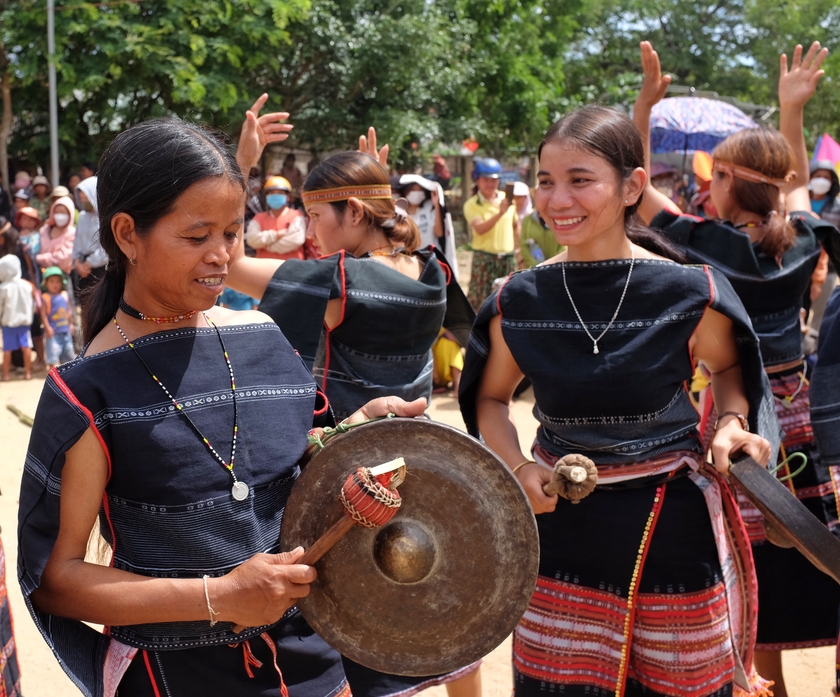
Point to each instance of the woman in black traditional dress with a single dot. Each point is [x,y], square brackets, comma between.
[365,314]
[645,586]
[768,255]
[182,427]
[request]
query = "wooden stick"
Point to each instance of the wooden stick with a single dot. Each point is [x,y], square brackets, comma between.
[325,543]
[23,418]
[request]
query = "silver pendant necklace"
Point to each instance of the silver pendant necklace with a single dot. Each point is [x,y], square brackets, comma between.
[593,339]
[239,490]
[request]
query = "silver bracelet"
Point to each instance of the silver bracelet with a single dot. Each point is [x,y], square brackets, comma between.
[213,621]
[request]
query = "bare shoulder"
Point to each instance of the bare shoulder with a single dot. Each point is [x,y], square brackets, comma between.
[556,259]
[642,253]
[226,317]
[107,339]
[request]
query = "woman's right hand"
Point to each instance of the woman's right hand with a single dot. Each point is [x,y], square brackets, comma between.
[258,131]
[532,477]
[259,591]
[655,84]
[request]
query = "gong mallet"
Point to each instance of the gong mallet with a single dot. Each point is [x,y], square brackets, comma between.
[370,499]
[575,477]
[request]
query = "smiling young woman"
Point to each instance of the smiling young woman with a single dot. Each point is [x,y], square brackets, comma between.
[180,430]
[609,333]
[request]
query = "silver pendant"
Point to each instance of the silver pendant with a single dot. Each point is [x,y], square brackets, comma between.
[240,491]
[595,347]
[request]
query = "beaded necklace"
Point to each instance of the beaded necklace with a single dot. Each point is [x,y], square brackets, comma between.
[239,490]
[133,312]
[379,253]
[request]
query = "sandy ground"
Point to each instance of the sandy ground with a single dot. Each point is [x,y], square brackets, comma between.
[810,672]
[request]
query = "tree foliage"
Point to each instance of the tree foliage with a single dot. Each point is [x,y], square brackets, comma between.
[424,72]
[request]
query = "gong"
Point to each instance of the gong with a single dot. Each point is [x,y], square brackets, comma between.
[788,515]
[441,584]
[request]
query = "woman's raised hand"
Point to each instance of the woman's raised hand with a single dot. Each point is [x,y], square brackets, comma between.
[798,84]
[655,84]
[367,144]
[259,591]
[258,131]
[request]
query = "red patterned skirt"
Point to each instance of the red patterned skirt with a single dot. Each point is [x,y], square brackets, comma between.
[646,587]
[799,604]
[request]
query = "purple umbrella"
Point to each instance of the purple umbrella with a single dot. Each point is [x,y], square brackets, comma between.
[681,124]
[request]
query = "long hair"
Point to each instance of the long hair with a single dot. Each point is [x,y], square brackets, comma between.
[142,173]
[612,136]
[358,169]
[768,153]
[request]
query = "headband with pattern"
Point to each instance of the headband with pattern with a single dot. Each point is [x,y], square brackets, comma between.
[342,193]
[751,175]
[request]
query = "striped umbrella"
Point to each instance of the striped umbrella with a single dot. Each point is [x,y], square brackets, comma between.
[683,124]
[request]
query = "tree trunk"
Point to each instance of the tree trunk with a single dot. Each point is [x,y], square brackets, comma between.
[6,120]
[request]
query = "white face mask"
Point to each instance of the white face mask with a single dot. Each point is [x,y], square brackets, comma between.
[819,185]
[61,219]
[415,198]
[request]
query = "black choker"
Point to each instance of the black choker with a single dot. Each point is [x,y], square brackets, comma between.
[132,312]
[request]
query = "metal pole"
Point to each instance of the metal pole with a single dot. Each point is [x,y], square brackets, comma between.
[53,95]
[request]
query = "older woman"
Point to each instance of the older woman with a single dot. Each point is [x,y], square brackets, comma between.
[181,428]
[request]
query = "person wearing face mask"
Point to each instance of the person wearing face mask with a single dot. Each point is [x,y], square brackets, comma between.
[57,236]
[424,207]
[823,189]
[89,259]
[279,232]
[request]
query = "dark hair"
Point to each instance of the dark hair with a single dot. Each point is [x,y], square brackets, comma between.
[613,136]
[143,173]
[359,169]
[92,166]
[768,153]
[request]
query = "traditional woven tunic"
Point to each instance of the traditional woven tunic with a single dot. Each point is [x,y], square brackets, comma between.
[168,510]
[799,603]
[381,346]
[645,586]
[382,343]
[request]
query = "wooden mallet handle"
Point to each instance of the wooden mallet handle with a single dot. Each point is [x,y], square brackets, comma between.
[340,528]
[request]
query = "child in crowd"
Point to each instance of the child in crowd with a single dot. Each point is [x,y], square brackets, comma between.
[234,300]
[59,324]
[449,362]
[16,309]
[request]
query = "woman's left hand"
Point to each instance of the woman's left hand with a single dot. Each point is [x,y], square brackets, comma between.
[730,439]
[367,144]
[655,84]
[388,405]
[258,131]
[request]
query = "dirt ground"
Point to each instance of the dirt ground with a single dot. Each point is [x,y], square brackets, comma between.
[810,672]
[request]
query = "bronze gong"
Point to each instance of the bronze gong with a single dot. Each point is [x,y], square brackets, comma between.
[446,580]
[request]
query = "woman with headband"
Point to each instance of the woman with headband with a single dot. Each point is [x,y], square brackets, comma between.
[768,255]
[363,316]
